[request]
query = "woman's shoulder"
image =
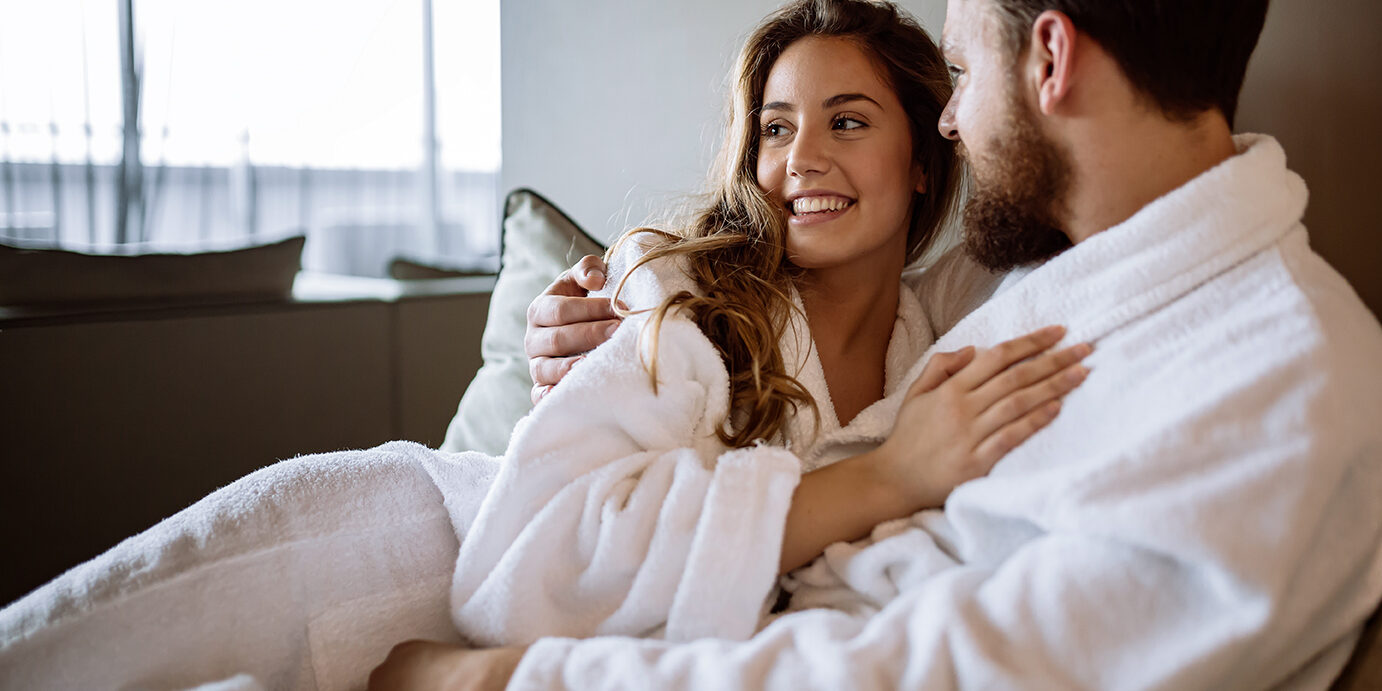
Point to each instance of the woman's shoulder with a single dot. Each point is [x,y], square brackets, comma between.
[644,284]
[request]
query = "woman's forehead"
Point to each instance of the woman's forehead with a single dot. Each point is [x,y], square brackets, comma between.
[813,69]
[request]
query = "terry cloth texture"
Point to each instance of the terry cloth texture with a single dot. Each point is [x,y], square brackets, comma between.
[1202,515]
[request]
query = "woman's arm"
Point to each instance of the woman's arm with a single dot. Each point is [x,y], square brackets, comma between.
[961,416]
[915,470]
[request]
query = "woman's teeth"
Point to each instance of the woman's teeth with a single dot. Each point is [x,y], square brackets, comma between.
[812,205]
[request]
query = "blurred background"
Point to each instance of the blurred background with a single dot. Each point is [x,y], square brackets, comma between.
[388,129]
[371,126]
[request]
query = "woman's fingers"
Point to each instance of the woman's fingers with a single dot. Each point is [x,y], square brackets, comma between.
[1024,374]
[1007,437]
[1022,402]
[1006,354]
[941,367]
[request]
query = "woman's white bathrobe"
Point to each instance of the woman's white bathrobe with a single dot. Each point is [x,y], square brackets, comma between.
[1204,513]
[617,510]
[614,511]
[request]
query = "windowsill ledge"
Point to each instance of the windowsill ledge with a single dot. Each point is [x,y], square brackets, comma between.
[309,288]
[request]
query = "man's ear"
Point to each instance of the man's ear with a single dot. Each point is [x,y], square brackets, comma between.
[1052,59]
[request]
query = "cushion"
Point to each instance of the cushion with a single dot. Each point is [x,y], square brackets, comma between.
[539,242]
[57,276]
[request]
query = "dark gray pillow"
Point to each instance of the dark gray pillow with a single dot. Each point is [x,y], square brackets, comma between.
[55,276]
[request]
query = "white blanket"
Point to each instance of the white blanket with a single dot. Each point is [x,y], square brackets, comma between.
[1202,515]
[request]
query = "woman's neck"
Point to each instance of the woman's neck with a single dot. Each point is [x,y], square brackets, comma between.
[848,312]
[851,312]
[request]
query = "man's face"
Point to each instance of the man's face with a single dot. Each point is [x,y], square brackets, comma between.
[1021,177]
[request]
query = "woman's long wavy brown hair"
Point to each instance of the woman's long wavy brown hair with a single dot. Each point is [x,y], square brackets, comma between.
[734,245]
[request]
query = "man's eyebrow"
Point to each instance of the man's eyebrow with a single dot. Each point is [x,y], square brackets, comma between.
[948,49]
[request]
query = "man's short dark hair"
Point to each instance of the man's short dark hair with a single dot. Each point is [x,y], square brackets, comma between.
[1187,56]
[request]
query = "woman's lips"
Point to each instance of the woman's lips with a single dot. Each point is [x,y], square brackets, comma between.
[816,203]
[817,217]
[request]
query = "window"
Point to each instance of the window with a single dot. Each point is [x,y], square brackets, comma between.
[257,119]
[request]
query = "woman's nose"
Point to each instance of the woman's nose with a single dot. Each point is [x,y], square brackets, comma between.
[807,156]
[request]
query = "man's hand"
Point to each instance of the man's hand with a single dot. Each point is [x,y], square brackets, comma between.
[427,665]
[563,324]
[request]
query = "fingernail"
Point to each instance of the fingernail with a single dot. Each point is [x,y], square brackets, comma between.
[621,305]
[1054,330]
[1053,407]
[1077,375]
[609,331]
[1084,349]
[595,273]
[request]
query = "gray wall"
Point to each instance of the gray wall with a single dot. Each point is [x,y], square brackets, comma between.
[613,107]
[1315,83]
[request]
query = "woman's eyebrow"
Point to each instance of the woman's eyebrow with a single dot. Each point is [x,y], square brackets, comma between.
[832,102]
[841,99]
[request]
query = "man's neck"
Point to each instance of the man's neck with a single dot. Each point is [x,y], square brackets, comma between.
[1123,166]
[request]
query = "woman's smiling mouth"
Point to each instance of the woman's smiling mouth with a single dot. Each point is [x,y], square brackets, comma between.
[818,208]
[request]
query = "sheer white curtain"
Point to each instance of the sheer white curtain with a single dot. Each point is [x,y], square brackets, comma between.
[257,119]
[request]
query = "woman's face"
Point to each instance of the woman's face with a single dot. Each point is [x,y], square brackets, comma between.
[835,153]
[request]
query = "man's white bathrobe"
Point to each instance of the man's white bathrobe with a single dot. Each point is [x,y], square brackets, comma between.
[1204,513]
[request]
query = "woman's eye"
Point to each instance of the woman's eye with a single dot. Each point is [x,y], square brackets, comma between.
[848,124]
[774,130]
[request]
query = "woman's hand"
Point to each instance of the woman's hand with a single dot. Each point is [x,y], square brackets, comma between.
[967,410]
[427,665]
[963,413]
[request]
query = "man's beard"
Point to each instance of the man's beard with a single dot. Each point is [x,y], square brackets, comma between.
[1018,188]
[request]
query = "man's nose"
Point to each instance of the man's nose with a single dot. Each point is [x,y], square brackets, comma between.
[808,155]
[946,124]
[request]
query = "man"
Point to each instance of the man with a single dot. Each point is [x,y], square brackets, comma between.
[1204,512]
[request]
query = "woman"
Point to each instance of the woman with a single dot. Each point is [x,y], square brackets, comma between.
[660,491]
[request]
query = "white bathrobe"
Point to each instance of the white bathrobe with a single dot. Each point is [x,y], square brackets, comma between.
[617,509]
[1204,513]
